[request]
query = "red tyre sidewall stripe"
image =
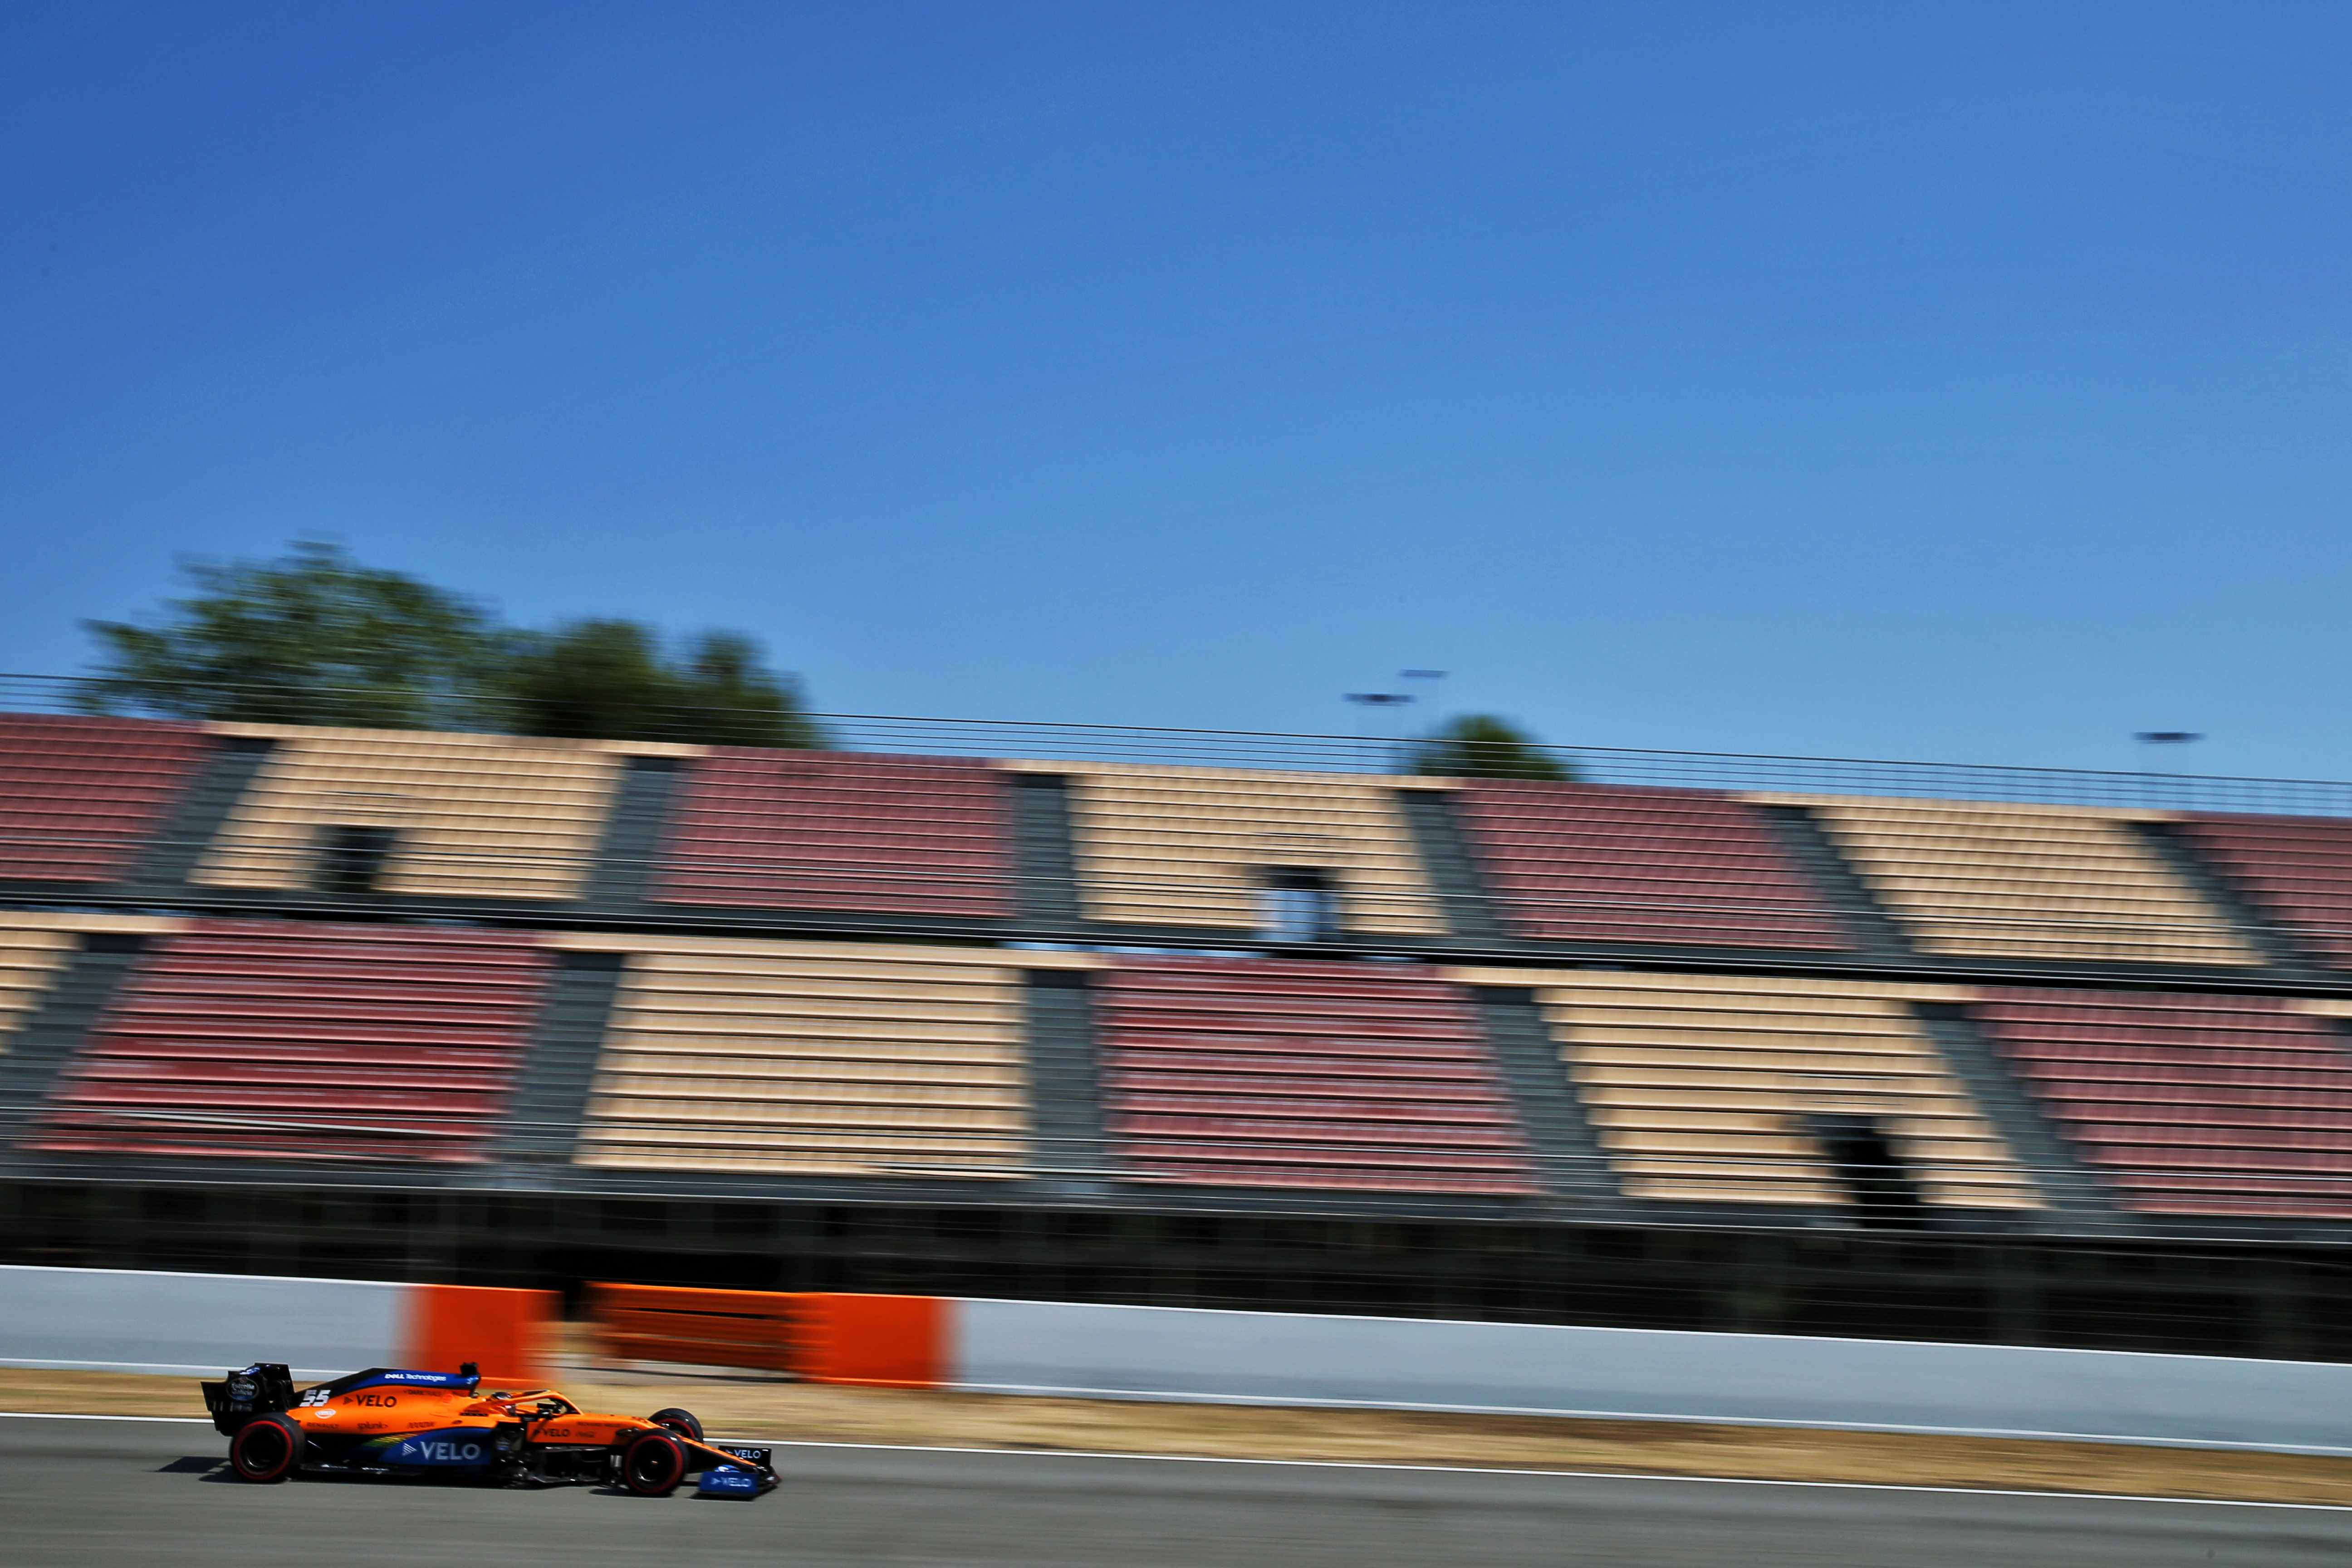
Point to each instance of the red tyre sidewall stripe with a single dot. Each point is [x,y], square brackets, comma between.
[676,1450]
[294,1442]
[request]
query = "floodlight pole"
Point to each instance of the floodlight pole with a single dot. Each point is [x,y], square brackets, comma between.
[2162,737]
[1383,701]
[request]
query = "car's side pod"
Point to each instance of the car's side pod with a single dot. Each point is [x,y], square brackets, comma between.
[264,1388]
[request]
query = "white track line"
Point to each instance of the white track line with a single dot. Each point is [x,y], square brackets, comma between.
[1500,1470]
[1370,1465]
[69,1416]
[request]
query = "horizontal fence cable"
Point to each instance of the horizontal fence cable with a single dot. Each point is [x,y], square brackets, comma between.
[1281,751]
[2249,1190]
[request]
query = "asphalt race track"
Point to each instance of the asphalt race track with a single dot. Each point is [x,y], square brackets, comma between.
[109,1493]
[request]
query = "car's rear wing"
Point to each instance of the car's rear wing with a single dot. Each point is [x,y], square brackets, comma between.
[261,1389]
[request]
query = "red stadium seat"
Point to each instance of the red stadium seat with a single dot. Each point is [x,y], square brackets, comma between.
[2158,1090]
[2297,870]
[820,830]
[1253,1073]
[1581,863]
[79,796]
[304,1042]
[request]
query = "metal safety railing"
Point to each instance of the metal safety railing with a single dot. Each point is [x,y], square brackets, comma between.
[1167,746]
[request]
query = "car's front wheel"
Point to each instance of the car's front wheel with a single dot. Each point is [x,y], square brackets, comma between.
[652,1463]
[266,1448]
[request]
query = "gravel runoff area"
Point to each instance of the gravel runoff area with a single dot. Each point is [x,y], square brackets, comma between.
[754,1407]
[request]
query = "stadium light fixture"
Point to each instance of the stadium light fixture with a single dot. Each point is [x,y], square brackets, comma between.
[1383,702]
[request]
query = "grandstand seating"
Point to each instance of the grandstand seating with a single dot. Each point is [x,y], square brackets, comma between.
[2189,1104]
[1699,1086]
[472,815]
[79,796]
[2296,871]
[33,952]
[296,1039]
[816,830]
[1997,880]
[1581,863]
[301,1040]
[1254,1073]
[855,1058]
[1190,846]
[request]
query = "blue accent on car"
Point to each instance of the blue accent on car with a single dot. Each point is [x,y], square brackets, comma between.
[384,1377]
[450,1446]
[728,1480]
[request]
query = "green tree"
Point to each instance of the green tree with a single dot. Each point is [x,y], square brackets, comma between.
[734,699]
[310,638]
[607,680]
[316,638]
[1482,746]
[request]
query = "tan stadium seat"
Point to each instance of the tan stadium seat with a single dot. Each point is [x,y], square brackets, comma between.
[36,948]
[1189,846]
[30,959]
[490,816]
[842,1058]
[1699,1086]
[1996,880]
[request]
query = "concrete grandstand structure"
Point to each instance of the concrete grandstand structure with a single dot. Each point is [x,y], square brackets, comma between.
[1779,1054]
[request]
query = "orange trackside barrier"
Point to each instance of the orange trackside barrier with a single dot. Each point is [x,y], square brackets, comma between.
[703,1328]
[505,1332]
[882,1341]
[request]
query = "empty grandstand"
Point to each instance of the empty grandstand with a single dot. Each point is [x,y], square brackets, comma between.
[876,1059]
[810,830]
[2295,871]
[294,1039]
[1178,1018]
[1582,863]
[1247,1073]
[79,796]
[367,812]
[2188,1103]
[1192,849]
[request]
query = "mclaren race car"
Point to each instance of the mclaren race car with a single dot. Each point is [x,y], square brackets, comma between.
[384,1422]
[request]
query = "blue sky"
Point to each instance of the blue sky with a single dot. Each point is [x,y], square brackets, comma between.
[1962,381]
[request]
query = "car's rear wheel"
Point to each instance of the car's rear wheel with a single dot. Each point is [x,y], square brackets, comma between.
[266,1448]
[681,1422]
[652,1463]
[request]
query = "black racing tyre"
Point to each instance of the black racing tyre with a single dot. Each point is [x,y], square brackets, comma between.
[266,1448]
[681,1422]
[652,1463]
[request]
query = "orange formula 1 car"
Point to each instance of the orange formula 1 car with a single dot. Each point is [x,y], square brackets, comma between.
[389,1423]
